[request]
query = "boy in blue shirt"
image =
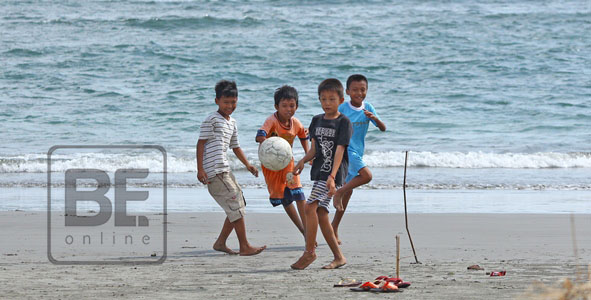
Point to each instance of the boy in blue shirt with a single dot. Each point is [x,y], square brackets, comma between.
[360,113]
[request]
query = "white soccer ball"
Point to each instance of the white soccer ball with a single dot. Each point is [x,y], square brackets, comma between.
[275,153]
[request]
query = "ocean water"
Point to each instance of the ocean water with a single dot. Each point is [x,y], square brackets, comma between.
[484,94]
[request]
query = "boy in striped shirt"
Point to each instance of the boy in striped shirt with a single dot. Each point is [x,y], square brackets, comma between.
[218,133]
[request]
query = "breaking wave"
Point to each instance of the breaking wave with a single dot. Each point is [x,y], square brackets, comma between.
[37,163]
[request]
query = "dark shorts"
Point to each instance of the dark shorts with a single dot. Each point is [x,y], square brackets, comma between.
[289,196]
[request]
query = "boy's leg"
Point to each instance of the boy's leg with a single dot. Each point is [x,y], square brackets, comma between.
[245,247]
[311,225]
[361,179]
[338,215]
[331,240]
[311,230]
[290,209]
[220,243]
[229,196]
[293,215]
[301,204]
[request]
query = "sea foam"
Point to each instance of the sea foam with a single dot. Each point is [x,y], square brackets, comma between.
[37,163]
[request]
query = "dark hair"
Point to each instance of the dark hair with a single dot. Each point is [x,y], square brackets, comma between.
[356,77]
[225,88]
[331,84]
[286,92]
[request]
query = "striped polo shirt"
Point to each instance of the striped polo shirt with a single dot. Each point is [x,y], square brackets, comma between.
[220,134]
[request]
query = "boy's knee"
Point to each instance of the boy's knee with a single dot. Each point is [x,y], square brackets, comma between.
[310,208]
[321,211]
[366,174]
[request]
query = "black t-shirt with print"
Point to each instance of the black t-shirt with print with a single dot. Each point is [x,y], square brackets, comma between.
[327,135]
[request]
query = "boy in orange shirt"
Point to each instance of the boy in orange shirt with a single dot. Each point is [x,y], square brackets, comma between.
[283,124]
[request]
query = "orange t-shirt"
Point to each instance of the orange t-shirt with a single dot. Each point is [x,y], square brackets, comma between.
[272,127]
[276,180]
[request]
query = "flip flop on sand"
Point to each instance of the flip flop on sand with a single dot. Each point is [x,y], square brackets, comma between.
[365,287]
[476,267]
[396,281]
[346,282]
[386,287]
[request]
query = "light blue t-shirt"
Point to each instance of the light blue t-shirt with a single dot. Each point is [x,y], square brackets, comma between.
[360,124]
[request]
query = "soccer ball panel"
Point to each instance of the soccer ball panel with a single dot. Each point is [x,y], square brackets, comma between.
[275,153]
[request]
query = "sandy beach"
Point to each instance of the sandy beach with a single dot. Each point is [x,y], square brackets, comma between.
[529,247]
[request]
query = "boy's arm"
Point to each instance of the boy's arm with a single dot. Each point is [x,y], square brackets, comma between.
[205,133]
[201,175]
[304,145]
[309,156]
[381,124]
[264,130]
[306,149]
[252,169]
[373,117]
[330,182]
[304,137]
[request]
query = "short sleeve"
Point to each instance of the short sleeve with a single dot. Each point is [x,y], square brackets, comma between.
[372,110]
[345,131]
[234,139]
[206,131]
[312,129]
[300,130]
[267,127]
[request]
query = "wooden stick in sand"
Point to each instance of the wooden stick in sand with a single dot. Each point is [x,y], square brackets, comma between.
[574,237]
[397,256]
[405,211]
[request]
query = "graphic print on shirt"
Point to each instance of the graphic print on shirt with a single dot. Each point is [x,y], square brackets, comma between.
[326,147]
[323,135]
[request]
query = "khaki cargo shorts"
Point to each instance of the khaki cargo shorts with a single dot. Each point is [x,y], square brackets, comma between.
[228,194]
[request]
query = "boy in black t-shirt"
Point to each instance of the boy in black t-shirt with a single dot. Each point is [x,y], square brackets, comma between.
[330,134]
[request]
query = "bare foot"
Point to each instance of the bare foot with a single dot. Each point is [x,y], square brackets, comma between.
[337,263]
[224,248]
[338,240]
[307,258]
[252,250]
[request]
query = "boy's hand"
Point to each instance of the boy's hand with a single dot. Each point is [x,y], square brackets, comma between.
[330,186]
[253,170]
[202,176]
[298,168]
[369,115]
